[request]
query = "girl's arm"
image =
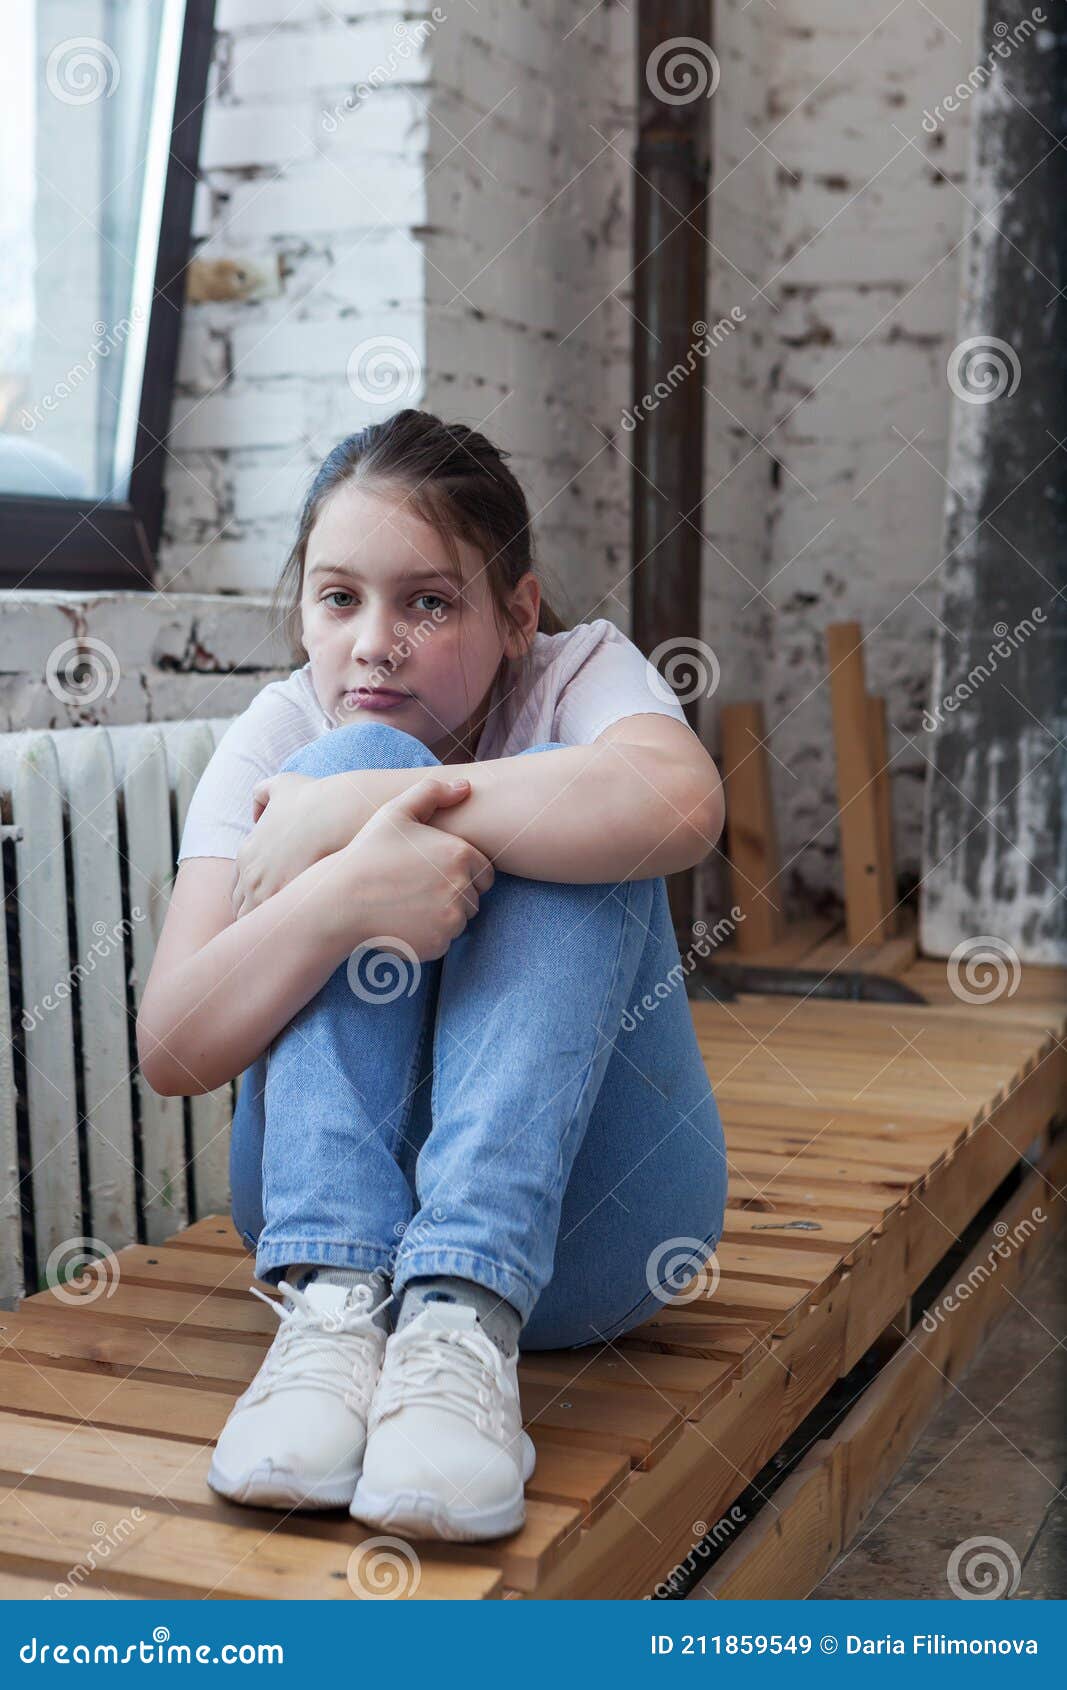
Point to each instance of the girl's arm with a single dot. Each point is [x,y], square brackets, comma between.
[644,799]
[219,991]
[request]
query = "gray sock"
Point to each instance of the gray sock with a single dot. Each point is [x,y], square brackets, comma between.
[304,1273]
[498,1319]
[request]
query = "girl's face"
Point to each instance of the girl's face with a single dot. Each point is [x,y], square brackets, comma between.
[393,633]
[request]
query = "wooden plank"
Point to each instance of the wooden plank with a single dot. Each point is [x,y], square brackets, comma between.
[817,1512]
[789,951]
[639,1423]
[32,1587]
[241,1320]
[752,839]
[796,1232]
[211,1232]
[628,1550]
[136,1468]
[878,738]
[158,1553]
[689,1384]
[856,772]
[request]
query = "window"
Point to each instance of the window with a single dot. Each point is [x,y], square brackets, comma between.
[100,115]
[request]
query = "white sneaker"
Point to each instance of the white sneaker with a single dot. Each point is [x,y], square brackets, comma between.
[295,1437]
[446,1453]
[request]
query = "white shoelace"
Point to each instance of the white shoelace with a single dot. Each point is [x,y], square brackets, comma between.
[438,1367]
[301,1354]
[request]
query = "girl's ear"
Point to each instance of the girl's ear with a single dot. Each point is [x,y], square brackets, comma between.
[526,608]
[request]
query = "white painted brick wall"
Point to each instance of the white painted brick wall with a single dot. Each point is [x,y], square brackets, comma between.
[475,205]
[468,207]
[853,237]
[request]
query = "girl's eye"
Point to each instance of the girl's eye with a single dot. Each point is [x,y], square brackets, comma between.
[338,592]
[436,597]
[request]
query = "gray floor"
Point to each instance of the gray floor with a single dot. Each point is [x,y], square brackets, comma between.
[991,1464]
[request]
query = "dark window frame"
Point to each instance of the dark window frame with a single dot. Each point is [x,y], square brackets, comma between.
[94,543]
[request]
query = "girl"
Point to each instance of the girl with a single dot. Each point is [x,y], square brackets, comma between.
[447,1114]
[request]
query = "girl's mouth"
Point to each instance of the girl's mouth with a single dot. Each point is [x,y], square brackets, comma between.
[377,698]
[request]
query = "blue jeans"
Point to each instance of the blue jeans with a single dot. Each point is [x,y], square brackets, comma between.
[503,1113]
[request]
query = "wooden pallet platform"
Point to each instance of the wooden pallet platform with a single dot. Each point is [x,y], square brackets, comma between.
[862,1140]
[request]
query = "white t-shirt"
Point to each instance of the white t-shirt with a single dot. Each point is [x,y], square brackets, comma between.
[573,686]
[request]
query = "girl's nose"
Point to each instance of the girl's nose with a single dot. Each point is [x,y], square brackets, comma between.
[375,640]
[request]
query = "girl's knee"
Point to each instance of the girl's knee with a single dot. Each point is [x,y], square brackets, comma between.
[360,745]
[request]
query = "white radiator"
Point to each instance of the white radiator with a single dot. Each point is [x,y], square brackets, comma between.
[89,1155]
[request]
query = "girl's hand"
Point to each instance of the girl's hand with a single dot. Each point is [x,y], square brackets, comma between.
[294,825]
[403,884]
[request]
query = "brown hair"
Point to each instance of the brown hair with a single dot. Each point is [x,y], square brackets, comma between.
[453,478]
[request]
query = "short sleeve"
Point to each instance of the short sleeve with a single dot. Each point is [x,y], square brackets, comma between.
[253,747]
[615,680]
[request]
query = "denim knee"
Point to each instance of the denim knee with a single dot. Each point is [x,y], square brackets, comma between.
[360,745]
